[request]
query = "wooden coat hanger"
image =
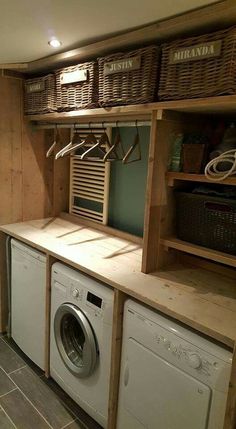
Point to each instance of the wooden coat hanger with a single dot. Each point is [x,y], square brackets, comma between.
[113,152]
[135,145]
[97,145]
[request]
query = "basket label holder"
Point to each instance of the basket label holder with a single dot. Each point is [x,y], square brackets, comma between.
[195,52]
[122,65]
[75,76]
[35,87]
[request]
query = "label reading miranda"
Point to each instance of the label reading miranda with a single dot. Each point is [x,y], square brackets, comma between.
[195,52]
[124,65]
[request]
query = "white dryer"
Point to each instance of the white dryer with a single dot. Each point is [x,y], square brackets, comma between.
[28,300]
[81,331]
[171,377]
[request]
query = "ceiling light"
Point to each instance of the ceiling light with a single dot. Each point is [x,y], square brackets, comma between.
[54,43]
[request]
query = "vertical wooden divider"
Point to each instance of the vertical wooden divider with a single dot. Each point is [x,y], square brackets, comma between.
[3,284]
[119,299]
[230,415]
[151,219]
[159,211]
[157,216]
[49,262]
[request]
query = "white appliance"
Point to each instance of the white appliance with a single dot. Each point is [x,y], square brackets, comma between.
[28,301]
[81,331]
[171,377]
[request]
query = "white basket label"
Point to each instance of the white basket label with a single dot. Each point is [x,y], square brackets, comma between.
[75,76]
[123,65]
[35,87]
[195,52]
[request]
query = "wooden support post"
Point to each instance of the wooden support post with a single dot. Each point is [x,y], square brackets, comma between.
[49,262]
[119,300]
[230,415]
[151,220]
[3,284]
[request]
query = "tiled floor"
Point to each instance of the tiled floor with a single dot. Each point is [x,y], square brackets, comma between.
[29,401]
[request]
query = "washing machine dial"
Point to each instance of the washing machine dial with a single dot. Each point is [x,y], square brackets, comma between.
[75,293]
[194,360]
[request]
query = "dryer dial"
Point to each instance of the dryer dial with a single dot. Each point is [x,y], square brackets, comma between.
[194,360]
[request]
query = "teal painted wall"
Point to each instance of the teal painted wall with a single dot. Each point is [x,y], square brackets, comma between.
[128,185]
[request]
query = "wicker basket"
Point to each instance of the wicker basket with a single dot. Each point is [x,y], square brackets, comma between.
[128,78]
[200,66]
[40,95]
[207,221]
[77,87]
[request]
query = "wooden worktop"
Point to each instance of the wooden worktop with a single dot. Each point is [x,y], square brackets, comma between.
[202,299]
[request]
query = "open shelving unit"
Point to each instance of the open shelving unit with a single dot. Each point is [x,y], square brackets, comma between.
[159,242]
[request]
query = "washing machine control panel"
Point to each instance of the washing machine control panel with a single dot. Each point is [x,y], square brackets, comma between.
[76,293]
[88,298]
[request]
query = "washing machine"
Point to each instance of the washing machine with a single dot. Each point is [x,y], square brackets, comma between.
[80,344]
[171,377]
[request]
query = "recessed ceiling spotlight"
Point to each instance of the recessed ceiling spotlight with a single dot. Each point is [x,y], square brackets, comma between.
[54,43]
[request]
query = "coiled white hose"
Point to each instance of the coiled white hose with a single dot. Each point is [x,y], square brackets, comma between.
[211,171]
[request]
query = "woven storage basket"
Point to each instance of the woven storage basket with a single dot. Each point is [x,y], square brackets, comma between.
[77,87]
[200,66]
[207,221]
[40,95]
[128,78]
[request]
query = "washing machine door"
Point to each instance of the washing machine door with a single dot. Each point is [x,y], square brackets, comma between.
[75,340]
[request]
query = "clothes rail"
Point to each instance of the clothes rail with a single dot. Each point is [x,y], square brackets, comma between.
[92,125]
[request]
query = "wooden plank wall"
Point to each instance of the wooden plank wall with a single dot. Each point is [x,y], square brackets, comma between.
[10,150]
[31,186]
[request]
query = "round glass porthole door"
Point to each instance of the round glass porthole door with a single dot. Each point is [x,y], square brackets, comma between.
[75,340]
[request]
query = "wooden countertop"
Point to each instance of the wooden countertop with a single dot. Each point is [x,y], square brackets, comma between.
[204,300]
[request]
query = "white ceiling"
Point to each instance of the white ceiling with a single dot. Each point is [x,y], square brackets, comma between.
[27,25]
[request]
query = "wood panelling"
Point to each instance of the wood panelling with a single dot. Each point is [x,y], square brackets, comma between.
[10,150]
[37,192]
[28,189]
[31,185]
[45,181]
[61,175]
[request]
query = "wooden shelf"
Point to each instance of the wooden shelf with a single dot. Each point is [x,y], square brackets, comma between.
[172,176]
[223,104]
[204,252]
[137,110]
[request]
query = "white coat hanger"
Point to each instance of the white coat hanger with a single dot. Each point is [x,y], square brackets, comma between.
[55,141]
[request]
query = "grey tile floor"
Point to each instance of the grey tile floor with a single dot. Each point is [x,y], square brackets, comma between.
[30,401]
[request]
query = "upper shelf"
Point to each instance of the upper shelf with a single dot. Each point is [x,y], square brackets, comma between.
[224,104]
[140,110]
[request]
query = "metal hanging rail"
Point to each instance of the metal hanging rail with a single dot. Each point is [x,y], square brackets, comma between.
[92,125]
